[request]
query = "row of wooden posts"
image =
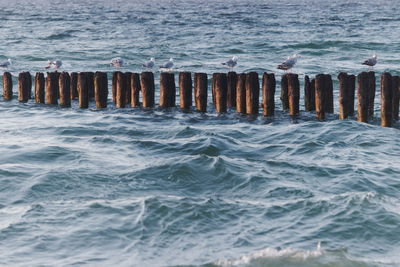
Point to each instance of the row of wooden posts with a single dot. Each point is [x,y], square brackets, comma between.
[232,90]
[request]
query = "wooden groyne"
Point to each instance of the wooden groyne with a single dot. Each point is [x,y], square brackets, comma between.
[238,92]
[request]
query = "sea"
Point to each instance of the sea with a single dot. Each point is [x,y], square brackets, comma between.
[156,187]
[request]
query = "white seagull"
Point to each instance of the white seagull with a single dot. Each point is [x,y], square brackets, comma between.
[149,64]
[55,64]
[6,64]
[371,62]
[117,62]
[231,63]
[289,62]
[168,65]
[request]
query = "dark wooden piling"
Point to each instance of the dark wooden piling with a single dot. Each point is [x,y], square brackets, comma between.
[52,88]
[220,91]
[201,91]
[90,84]
[294,94]
[268,94]
[128,91]
[241,93]
[285,92]
[371,93]
[74,85]
[185,90]
[344,96]
[231,93]
[135,89]
[167,90]
[7,86]
[309,94]
[114,85]
[64,84]
[386,100]
[320,98]
[396,97]
[252,93]
[83,90]
[100,89]
[214,77]
[362,97]
[120,97]
[329,94]
[147,85]
[39,87]
[24,86]
[351,86]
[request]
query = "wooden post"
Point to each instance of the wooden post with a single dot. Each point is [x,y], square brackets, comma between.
[201,91]
[114,85]
[120,100]
[344,96]
[386,100]
[268,94]
[90,84]
[214,78]
[221,89]
[64,83]
[329,94]
[7,86]
[309,94]
[294,94]
[83,90]
[351,86]
[74,85]
[100,89]
[167,90]
[363,97]
[39,87]
[135,89]
[24,86]
[231,93]
[241,93]
[185,90]
[52,88]
[396,97]
[320,97]
[252,93]
[285,92]
[128,87]
[371,93]
[147,85]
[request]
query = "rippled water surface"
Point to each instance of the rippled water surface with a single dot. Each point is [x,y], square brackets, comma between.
[134,187]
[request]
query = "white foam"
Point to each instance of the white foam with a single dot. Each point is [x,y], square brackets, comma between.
[11,215]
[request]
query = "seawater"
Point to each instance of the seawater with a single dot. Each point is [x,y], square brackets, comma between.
[132,187]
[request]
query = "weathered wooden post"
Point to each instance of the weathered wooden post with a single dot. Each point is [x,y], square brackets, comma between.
[268,94]
[90,84]
[363,97]
[329,94]
[294,94]
[371,93]
[39,88]
[252,93]
[185,90]
[285,92]
[74,85]
[201,91]
[351,86]
[241,93]
[344,96]
[221,89]
[114,85]
[120,100]
[147,85]
[231,93]
[24,86]
[386,100]
[135,89]
[213,79]
[167,90]
[7,86]
[309,94]
[64,84]
[320,98]
[83,90]
[52,88]
[396,97]
[128,79]
[100,89]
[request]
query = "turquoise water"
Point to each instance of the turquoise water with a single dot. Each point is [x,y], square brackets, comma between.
[130,187]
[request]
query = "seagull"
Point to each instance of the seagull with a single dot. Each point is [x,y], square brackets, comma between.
[6,64]
[168,65]
[117,62]
[231,63]
[56,64]
[289,62]
[149,64]
[371,62]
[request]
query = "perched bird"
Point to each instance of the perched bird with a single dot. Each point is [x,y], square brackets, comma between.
[289,62]
[6,64]
[149,64]
[231,63]
[117,62]
[371,62]
[55,64]
[168,65]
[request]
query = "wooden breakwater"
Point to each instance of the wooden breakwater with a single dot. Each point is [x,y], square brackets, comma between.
[240,92]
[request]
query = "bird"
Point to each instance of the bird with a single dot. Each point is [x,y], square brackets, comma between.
[149,64]
[6,64]
[117,62]
[371,62]
[55,64]
[231,63]
[289,62]
[168,65]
